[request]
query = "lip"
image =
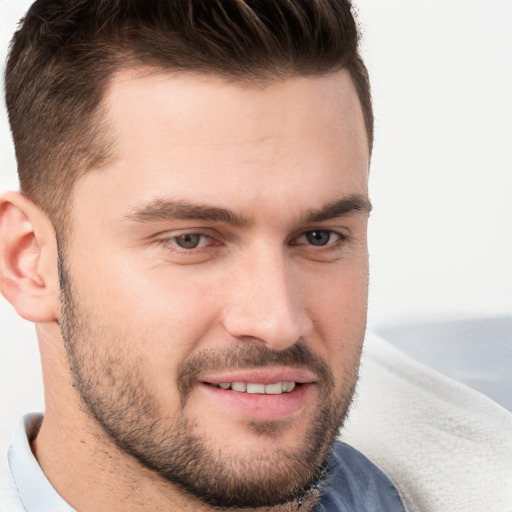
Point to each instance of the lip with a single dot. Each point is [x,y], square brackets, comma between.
[260,407]
[262,376]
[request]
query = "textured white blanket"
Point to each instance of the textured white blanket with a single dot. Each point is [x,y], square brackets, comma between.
[446,447]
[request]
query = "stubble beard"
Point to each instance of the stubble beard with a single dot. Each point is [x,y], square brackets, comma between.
[114,391]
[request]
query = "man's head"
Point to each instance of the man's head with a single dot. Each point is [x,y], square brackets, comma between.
[203,314]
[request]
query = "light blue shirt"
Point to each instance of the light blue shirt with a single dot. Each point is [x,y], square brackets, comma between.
[352,483]
[35,491]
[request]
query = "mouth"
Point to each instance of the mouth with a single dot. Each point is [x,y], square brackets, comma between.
[261,394]
[258,388]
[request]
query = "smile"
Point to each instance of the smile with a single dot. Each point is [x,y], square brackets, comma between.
[261,394]
[276,388]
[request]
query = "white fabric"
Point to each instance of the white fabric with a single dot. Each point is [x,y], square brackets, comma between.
[445,446]
[9,501]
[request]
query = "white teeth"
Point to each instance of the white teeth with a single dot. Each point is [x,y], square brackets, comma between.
[238,386]
[257,388]
[288,386]
[274,389]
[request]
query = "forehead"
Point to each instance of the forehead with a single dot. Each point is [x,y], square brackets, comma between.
[211,106]
[191,135]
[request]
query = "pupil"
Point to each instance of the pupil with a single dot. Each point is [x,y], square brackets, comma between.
[318,237]
[188,241]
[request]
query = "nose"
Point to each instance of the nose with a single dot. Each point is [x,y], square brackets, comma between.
[266,302]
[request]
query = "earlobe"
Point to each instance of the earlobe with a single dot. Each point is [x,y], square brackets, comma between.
[28,259]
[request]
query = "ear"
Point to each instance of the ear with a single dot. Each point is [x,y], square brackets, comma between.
[28,259]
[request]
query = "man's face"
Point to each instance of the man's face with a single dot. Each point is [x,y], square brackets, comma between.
[215,279]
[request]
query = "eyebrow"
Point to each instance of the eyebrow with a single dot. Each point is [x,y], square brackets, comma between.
[161,210]
[339,208]
[165,210]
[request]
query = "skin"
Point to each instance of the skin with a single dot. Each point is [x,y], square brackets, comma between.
[272,157]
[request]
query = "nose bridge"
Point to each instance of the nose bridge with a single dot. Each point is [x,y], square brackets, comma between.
[265,303]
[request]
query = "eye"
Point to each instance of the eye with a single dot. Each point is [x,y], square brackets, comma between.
[185,247]
[190,240]
[319,237]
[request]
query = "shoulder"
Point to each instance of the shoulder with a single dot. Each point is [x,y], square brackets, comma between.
[353,483]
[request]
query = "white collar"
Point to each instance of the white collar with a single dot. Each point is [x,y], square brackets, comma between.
[35,491]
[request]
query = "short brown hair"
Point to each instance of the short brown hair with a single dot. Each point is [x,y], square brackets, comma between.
[66,51]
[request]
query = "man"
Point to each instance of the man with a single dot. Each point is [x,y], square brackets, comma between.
[190,242]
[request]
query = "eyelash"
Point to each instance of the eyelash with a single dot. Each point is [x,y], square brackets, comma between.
[170,243]
[330,244]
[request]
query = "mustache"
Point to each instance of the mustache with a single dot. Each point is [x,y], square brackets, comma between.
[248,356]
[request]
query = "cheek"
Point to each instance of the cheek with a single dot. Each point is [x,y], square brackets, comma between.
[338,308]
[339,298]
[157,316]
